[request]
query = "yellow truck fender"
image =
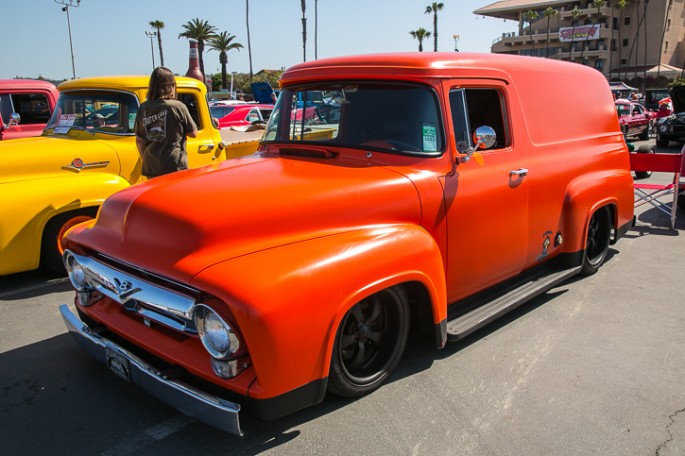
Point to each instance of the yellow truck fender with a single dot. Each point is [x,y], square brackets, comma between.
[30,205]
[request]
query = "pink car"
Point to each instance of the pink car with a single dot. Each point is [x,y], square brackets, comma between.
[241,115]
[25,107]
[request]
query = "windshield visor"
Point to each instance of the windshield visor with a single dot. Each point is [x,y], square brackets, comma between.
[398,118]
[97,111]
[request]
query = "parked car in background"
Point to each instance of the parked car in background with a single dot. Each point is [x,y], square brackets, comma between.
[441,194]
[653,98]
[672,128]
[241,115]
[87,152]
[634,119]
[25,107]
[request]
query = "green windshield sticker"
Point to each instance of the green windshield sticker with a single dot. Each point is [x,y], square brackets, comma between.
[430,137]
[131,120]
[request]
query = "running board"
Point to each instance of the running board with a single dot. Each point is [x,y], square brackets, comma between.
[465,324]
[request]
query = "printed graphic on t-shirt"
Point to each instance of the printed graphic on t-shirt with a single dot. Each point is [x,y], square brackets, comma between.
[155,126]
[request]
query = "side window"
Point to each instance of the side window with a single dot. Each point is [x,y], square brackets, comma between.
[483,107]
[33,108]
[253,116]
[191,102]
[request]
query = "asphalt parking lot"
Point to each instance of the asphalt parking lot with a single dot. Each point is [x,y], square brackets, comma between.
[596,366]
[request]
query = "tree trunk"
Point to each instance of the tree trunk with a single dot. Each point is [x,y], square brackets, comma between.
[435,31]
[249,45]
[304,31]
[159,43]
[200,51]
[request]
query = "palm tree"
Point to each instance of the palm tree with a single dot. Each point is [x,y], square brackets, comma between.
[531,16]
[249,45]
[159,25]
[304,30]
[596,4]
[434,8]
[202,32]
[420,34]
[548,13]
[635,46]
[575,12]
[223,43]
[622,5]
[663,34]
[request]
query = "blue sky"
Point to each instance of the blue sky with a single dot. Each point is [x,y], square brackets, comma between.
[109,35]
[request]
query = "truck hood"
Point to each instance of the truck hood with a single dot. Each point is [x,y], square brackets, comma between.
[42,156]
[179,224]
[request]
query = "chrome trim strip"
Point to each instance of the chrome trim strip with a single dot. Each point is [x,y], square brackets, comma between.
[212,410]
[175,310]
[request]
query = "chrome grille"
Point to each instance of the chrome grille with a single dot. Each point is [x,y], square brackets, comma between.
[153,302]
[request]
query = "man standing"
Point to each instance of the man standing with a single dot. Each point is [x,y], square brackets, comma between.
[161,126]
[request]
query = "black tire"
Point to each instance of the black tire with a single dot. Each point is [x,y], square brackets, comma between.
[51,247]
[369,343]
[661,142]
[681,201]
[597,241]
[645,134]
[645,149]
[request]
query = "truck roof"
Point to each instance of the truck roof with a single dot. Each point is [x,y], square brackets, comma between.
[426,65]
[26,84]
[547,90]
[126,82]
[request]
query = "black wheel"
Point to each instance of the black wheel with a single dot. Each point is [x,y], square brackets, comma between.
[681,201]
[598,239]
[645,149]
[661,142]
[369,344]
[51,246]
[645,134]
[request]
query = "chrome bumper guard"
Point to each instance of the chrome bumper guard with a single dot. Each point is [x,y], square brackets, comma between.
[209,409]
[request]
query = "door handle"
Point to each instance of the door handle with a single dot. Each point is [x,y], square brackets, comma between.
[205,147]
[519,172]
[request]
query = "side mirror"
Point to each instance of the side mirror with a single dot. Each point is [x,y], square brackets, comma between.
[215,122]
[14,120]
[484,138]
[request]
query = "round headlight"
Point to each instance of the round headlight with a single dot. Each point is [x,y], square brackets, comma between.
[77,274]
[216,335]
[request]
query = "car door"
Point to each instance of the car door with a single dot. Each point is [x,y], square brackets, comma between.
[202,150]
[486,197]
[34,108]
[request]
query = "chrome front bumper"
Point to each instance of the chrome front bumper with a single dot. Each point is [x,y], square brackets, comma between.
[209,409]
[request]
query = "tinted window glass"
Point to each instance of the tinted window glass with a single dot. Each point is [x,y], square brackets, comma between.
[398,118]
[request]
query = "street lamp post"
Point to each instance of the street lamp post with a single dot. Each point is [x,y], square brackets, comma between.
[152,35]
[456,40]
[65,8]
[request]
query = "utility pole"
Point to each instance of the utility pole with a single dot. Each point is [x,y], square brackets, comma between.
[65,8]
[456,40]
[152,35]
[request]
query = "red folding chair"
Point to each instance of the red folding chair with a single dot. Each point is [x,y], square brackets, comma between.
[650,193]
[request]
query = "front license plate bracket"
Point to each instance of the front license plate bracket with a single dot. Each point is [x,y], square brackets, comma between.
[119,364]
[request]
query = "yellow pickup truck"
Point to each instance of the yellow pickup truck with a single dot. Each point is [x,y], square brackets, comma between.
[86,153]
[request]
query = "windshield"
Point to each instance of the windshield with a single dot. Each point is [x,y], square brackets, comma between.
[623,109]
[96,111]
[221,111]
[387,117]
